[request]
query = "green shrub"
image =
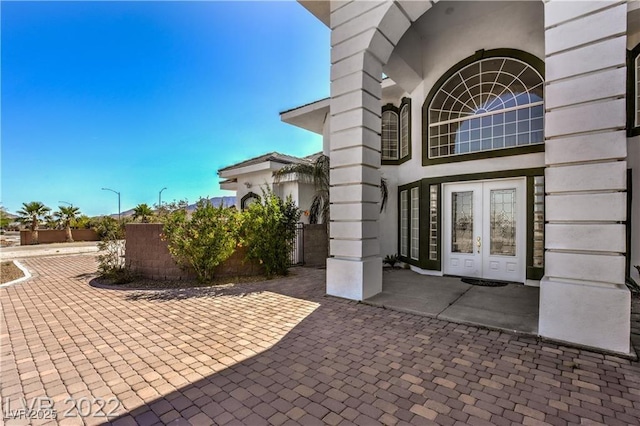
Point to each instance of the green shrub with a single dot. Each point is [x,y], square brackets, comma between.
[204,240]
[391,260]
[108,228]
[268,230]
[111,260]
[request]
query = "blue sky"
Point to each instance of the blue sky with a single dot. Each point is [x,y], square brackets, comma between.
[137,96]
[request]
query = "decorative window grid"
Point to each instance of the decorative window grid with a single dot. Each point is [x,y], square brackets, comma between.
[404,224]
[538,221]
[404,131]
[389,135]
[433,222]
[637,94]
[493,103]
[415,223]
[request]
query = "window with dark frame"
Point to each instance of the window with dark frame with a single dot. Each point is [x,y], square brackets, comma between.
[396,132]
[493,103]
[633,88]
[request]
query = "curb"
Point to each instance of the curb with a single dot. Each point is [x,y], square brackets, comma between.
[27,275]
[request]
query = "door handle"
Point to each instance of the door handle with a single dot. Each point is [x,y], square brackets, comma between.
[479,244]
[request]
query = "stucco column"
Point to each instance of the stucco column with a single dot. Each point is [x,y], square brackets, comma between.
[354,270]
[583,298]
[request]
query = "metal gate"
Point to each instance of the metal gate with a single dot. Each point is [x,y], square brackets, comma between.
[297,247]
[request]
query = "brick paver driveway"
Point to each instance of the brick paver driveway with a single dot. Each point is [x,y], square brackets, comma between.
[281,353]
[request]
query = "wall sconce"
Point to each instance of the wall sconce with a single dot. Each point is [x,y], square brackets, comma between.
[247,184]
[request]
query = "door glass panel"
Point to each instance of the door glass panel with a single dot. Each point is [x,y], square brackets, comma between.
[462,222]
[503,222]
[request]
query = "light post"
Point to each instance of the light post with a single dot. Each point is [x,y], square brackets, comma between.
[160,197]
[107,189]
[66,202]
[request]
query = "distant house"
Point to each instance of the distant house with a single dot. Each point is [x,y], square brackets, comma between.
[248,178]
[507,132]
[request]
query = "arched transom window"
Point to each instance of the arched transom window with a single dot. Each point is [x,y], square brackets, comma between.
[490,104]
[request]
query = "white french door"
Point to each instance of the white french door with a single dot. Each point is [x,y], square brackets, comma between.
[485,229]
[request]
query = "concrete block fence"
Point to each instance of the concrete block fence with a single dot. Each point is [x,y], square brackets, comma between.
[47,236]
[148,255]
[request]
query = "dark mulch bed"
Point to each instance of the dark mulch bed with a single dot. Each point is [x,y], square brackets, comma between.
[9,272]
[138,283]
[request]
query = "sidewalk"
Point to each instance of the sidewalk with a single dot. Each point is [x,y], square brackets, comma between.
[39,250]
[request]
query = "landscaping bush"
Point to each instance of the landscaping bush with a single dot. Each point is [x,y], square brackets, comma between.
[108,228]
[204,240]
[111,260]
[268,230]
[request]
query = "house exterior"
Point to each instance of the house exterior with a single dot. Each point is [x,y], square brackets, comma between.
[507,132]
[250,177]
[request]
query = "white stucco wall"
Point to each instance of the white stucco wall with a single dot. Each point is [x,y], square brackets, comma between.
[256,180]
[451,32]
[302,194]
[442,38]
[389,216]
[306,193]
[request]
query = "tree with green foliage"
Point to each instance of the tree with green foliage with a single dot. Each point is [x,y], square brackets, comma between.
[268,230]
[82,222]
[166,209]
[51,222]
[317,173]
[142,212]
[108,227]
[66,215]
[204,240]
[32,214]
[4,219]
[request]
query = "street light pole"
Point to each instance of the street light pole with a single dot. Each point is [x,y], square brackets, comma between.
[107,189]
[66,202]
[160,197]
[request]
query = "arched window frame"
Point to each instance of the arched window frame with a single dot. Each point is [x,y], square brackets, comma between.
[520,55]
[633,91]
[402,133]
[389,135]
[244,202]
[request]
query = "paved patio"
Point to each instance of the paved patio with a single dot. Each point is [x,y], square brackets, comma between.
[511,308]
[282,353]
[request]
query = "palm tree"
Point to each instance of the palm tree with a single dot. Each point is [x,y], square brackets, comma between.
[142,211]
[51,221]
[31,214]
[317,173]
[66,215]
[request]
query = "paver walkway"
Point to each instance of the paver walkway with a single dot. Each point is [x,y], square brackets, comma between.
[281,353]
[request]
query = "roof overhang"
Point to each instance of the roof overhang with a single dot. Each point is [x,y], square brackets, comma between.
[229,184]
[233,173]
[319,8]
[309,117]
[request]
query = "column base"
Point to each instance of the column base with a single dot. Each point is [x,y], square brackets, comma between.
[586,313]
[354,279]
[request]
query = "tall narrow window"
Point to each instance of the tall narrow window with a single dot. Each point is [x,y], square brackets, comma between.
[415,223]
[404,131]
[538,221]
[637,94]
[389,135]
[433,222]
[404,224]
[633,97]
